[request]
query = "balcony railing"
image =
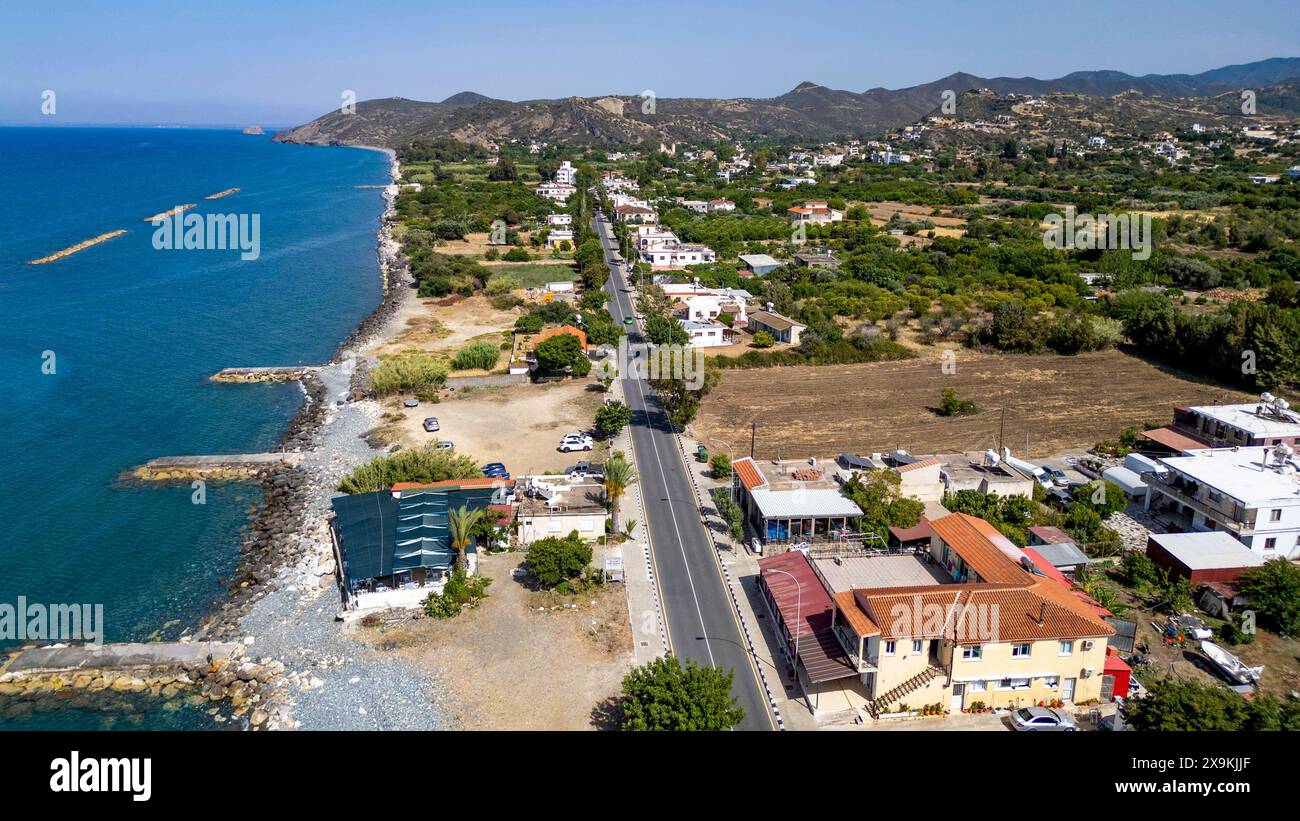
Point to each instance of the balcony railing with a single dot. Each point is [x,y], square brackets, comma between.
[1184,492]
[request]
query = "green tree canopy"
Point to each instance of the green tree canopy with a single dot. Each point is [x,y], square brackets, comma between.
[667,695]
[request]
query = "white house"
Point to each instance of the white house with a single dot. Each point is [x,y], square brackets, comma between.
[814,212]
[560,220]
[558,235]
[704,334]
[670,257]
[649,237]
[556,506]
[566,173]
[556,191]
[721,205]
[1252,493]
[706,307]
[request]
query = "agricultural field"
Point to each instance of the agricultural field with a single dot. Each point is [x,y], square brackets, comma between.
[1053,403]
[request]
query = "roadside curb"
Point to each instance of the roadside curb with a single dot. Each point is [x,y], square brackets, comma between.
[731,588]
[645,550]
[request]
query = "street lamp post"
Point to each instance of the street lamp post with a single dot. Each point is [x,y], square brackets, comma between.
[798,611]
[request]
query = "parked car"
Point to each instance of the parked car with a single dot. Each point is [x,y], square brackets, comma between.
[1042,718]
[495,470]
[583,470]
[431,424]
[1058,476]
[1112,723]
[444,444]
[411,403]
[576,441]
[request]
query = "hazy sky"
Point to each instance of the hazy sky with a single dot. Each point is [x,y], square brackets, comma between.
[281,63]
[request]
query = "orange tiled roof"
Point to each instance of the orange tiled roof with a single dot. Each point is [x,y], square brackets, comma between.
[976,613]
[748,473]
[563,329]
[857,620]
[976,541]
[479,481]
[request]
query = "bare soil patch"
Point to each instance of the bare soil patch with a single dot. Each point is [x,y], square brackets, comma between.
[512,666]
[1053,404]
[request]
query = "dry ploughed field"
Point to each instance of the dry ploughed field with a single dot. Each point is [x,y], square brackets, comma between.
[1061,403]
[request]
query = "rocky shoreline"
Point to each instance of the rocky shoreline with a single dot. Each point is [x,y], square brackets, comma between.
[287,566]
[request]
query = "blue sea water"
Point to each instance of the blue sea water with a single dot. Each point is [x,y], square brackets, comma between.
[134,332]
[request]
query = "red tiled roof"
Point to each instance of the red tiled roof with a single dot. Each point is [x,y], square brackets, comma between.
[921,530]
[1051,535]
[1175,439]
[748,473]
[803,602]
[923,463]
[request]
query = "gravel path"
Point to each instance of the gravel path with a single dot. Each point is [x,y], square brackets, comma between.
[336,682]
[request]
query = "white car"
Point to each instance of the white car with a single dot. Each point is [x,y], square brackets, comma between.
[576,441]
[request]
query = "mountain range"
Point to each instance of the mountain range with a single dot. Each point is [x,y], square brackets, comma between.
[808,110]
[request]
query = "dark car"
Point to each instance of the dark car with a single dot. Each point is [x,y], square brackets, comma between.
[496,470]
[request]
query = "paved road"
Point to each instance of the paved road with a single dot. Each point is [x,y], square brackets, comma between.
[702,624]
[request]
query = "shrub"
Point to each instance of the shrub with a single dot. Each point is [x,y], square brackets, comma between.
[554,561]
[459,592]
[408,372]
[612,417]
[517,255]
[480,356]
[426,464]
[763,339]
[666,694]
[720,463]
[950,405]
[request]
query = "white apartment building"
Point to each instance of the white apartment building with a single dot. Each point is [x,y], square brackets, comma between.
[559,219]
[670,257]
[1251,493]
[566,173]
[557,191]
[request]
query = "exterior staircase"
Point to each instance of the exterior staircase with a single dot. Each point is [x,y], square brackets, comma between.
[894,696]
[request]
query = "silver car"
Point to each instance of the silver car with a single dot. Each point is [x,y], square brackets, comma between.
[1042,718]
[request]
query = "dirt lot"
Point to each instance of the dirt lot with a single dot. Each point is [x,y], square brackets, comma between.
[429,326]
[512,666]
[1278,655]
[520,425]
[1053,404]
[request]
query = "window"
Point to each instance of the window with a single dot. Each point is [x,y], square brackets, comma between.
[972,652]
[918,646]
[1066,649]
[889,648]
[1013,684]
[1270,544]
[975,687]
[1020,651]
[1275,515]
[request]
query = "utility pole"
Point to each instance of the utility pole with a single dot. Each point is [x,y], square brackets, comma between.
[1002,426]
[753,434]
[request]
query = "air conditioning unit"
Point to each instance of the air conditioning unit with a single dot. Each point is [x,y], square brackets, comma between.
[1088,672]
[1087,645]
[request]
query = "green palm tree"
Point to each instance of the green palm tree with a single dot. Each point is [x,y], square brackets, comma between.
[461,522]
[619,476]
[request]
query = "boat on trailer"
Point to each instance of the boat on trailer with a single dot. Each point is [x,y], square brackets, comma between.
[1231,666]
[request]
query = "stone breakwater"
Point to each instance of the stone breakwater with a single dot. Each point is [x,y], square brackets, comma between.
[289,373]
[237,686]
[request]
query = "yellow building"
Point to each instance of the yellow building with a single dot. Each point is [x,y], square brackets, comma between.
[988,631]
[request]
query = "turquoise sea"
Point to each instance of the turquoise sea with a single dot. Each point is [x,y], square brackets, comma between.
[104,354]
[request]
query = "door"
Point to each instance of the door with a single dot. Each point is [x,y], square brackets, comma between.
[1067,690]
[958,693]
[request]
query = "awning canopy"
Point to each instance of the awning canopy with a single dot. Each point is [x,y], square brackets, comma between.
[1174,440]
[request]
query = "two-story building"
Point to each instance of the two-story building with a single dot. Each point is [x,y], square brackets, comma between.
[1252,493]
[964,624]
[1266,422]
